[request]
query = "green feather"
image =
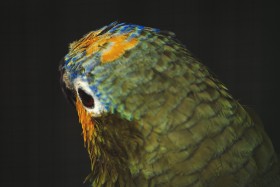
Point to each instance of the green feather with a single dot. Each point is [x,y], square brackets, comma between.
[171,123]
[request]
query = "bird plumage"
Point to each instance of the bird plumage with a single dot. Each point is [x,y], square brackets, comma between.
[159,118]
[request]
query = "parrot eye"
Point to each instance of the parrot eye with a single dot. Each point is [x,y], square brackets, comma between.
[86,99]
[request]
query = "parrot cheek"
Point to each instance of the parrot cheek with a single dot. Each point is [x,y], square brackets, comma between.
[85,121]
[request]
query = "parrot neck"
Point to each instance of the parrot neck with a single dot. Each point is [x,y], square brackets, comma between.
[115,144]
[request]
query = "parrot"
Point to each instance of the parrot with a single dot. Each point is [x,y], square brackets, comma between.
[151,114]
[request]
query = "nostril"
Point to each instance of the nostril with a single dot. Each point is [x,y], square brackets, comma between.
[86,99]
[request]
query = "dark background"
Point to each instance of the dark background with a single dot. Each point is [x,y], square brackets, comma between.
[41,143]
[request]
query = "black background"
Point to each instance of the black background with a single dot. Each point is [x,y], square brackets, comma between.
[41,143]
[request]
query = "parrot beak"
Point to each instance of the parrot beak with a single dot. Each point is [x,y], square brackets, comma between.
[86,122]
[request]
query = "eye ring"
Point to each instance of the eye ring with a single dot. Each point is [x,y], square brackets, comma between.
[86,99]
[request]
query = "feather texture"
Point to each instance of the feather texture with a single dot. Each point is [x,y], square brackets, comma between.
[168,122]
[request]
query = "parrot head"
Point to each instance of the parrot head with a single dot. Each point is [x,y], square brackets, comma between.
[152,115]
[96,76]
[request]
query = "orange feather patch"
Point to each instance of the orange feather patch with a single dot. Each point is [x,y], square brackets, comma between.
[119,45]
[86,122]
[111,47]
